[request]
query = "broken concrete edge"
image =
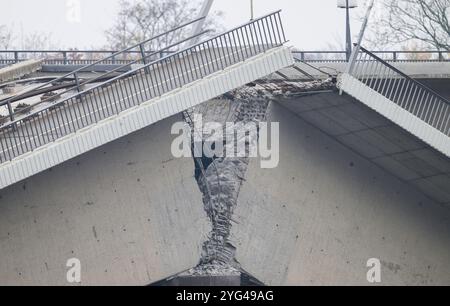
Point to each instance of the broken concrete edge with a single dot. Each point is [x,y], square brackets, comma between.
[140,116]
[220,179]
[19,70]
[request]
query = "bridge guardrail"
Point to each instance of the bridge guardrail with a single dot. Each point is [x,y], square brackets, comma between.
[73,57]
[139,85]
[86,57]
[389,56]
[143,58]
[399,88]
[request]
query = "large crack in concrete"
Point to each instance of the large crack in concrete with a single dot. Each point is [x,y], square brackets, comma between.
[220,178]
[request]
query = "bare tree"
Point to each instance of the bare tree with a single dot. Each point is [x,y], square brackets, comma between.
[6,37]
[37,41]
[411,22]
[142,19]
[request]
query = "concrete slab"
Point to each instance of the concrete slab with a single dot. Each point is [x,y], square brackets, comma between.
[324,211]
[418,70]
[300,105]
[363,114]
[18,70]
[434,158]
[52,144]
[344,119]
[329,126]
[400,137]
[426,185]
[128,211]
[390,164]
[382,139]
[379,141]
[361,146]
[416,164]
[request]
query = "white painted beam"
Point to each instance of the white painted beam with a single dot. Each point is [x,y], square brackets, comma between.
[143,115]
[395,113]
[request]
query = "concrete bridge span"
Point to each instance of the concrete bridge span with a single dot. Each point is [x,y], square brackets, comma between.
[133,215]
[128,211]
[326,210]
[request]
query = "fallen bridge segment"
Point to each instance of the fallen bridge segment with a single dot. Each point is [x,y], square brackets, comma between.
[52,134]
[19,70]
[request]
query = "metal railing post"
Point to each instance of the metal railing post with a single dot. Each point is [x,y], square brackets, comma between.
[77,81]
[10,111]
[144,57]
[355,52]
[110,96]
[16,57]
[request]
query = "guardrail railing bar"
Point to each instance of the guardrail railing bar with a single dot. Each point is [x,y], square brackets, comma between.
[408,93]
[79,84]
[129,89]
[404,75]
[118,53]
[393,58]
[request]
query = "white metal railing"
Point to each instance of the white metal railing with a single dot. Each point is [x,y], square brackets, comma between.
[35,128]
[399,88]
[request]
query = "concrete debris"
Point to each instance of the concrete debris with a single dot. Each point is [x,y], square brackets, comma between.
[220,179]
[19,70]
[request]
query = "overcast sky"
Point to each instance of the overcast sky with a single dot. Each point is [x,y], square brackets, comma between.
[310,24]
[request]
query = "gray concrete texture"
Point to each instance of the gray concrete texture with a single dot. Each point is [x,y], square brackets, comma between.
[325,211]
[379,140]
[112,98]
[19,70]
[416,70]
[133,216]
[129,212]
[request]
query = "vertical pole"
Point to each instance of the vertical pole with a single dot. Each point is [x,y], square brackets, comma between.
[77,81]
[348,32]
[64,57]
[355,51]
[198,27]
[252,15]
[144,57]
[10,111]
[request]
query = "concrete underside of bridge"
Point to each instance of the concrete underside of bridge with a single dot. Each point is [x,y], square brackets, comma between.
[416,70]
[130,212]
[320,215]
[134,215]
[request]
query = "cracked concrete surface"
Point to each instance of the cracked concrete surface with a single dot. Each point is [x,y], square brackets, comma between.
[325,211]
[221,179]
[142,216]
[128,211]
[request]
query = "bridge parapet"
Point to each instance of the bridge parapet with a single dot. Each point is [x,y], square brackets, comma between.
[389,56]
[403,100]
[54,132]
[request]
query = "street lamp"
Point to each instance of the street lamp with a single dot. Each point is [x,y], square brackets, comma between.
[348,4]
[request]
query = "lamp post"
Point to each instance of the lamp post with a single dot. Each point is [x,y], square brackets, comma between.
[252,15]
[348,4]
